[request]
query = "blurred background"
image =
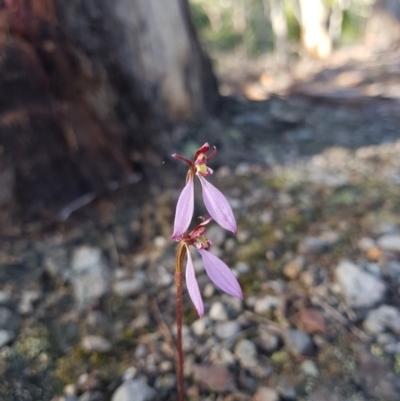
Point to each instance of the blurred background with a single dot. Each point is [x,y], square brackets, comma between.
[301,99]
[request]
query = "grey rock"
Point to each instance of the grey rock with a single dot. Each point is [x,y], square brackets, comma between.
[4,297]
[200,327]
[95,344]
[298,341]
[160,242]
[366,243]
[91,275]
[166,366]
[267,340]
[162,277]
[285,390]
[385,317]
[268,304]
[136,390]
[393,268]
[6,337]
[393,348]
[28,298]
[216,234]
[98,323]
[309,368]
[129,374]
[389,242]
[225,330]
[246,352]
[374,269]
[223,356]
[165,382]
[218,312]
[188,342]
[140,321]
[281,111]
[216,378]
[325,393]
[384,228]
[385,338]
[209,290]
[250,118]
[56,263]
[328,179]
[320,243]
[8,320]
[266,394]
[70,389]
[250,301]
[359,288]
[376,378]
[241,268]
[92,395]
[130,288]
[234,305]
[243,236]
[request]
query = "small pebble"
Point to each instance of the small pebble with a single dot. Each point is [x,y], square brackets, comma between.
[200,326]
[4,297]
[95,344]
[298,342]
[218,312]
[309,368]
[225,330]
[266,394]
[268,304]
[6,337]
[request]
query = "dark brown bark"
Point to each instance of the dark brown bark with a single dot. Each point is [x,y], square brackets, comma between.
[81,79]
[383,28]
[151,53]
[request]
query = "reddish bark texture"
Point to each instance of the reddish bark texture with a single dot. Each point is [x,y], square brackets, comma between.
[55,143]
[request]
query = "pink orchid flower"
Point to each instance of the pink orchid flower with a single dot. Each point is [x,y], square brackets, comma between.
[215,202]
[218,272]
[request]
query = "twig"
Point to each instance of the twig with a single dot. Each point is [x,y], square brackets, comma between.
[340,318]
[84,200]
[261,319]
[163,326]
[113,250]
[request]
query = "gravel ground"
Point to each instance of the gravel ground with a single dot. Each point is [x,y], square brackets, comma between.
[87,306]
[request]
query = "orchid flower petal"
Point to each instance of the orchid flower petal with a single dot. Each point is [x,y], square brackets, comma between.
[184,209]
[218,206]
[193,287]
[220,274]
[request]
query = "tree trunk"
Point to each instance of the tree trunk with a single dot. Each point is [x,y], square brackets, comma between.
[150,50]
[383,28]
[314,24]
[279,27]
[81,81]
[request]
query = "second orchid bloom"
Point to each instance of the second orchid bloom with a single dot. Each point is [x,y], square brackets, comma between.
[215,202]
[218,272]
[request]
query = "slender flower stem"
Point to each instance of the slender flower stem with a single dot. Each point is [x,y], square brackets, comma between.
[180,254]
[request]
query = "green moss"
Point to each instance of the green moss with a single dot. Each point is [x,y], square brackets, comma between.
[280,357]
[293,222]
[254,250]
[32,343]
[277,182]
[109,365]
[250,283]
[396,363]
